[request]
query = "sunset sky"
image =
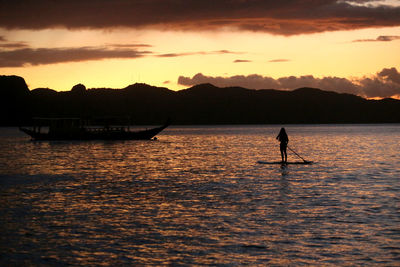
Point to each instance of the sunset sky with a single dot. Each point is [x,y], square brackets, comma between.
[344,46]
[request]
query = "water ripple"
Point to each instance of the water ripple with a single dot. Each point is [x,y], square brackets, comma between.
[197,197]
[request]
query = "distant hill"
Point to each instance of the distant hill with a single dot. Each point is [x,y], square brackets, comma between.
[200,104]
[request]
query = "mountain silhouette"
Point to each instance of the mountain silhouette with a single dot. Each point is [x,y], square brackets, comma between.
[200,104]
[14,99]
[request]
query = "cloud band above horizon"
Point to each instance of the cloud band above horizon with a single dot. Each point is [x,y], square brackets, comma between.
[384,84]
[287,17]
[20,54]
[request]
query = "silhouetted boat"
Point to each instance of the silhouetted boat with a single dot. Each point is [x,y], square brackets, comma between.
[76,129]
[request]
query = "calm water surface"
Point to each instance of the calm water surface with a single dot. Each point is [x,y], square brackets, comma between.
[198,197]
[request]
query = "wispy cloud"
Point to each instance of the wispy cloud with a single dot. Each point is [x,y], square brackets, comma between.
[382,38]
[228,52]
[11,45]
[241,61]
[128,45]
[18,54]
[385,83]
[197,53]
[277,17]
[176,54]
[278,60]
[42,56]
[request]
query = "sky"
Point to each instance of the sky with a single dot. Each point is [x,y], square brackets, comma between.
[347,46]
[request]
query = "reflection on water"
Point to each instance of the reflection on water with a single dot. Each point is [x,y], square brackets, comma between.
[197,196]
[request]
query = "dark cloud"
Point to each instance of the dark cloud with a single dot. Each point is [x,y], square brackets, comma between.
[388,38]
[382,38]
[340,85]
[41,56]
[253,81]
[375,87]
[284,17]
[386,83]
[391,75]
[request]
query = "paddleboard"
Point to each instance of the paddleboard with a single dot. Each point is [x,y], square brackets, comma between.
[285,163]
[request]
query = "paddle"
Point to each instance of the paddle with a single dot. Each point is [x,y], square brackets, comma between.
[306,161]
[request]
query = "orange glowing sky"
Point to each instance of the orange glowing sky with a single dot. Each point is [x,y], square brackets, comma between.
[345,46]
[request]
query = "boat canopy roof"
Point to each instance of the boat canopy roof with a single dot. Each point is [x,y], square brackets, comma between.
[57,122]
[53,119]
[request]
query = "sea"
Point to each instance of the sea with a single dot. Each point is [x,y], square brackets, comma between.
[197,196]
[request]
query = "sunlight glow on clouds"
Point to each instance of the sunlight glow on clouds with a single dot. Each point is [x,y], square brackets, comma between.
[373,3]
[299,43]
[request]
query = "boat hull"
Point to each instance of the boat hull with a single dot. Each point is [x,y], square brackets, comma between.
[100,134]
